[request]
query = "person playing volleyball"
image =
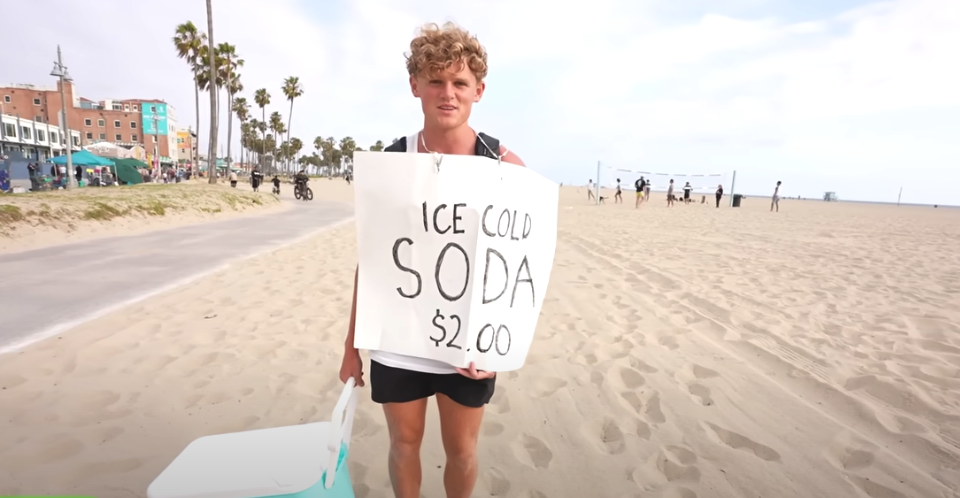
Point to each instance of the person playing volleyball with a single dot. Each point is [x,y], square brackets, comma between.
[446,68]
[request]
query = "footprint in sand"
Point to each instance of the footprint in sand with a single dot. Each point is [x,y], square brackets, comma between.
[679,492]
[536,452]
[607,433]
[849,452]
[633,399]
[742,443]
[631,378]
[703,372]
[500,403]
[496,482]
[668,342]
[701,394]
[491,429]
[642,366]
[545,386]
[653,411]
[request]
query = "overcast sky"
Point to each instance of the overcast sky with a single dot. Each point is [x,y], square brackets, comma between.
[856,97]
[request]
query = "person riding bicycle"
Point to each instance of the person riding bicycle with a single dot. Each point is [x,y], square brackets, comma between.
[276,183]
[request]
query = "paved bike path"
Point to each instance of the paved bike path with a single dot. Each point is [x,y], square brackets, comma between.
[46,291]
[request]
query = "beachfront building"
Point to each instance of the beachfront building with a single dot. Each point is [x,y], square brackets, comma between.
[187,147]
[147,123]
[34,140]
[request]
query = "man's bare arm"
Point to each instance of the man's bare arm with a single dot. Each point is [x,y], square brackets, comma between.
[348,345]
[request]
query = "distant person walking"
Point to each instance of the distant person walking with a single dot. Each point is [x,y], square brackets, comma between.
[719,194]
[670,197]
[618,197]
[687,189]
[646,191]
[641,186]
[590,190]
[775,202]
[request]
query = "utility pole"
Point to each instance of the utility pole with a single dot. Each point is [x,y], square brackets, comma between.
[60,71]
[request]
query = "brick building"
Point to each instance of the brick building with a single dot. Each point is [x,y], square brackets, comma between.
[148,123]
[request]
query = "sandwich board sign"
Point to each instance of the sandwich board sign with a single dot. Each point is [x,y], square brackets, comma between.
[455,255]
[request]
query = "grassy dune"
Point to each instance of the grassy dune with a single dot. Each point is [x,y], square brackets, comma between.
[69,210]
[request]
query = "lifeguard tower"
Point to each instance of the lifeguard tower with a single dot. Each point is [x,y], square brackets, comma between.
[830,196]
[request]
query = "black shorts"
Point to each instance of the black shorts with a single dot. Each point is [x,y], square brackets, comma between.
[396,385]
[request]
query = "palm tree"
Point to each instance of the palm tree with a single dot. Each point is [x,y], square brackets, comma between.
[188,41]
[276,126]
[292,89]
[211,62]
[296,145]
[229,64]
[262,99]
[242,110]
[347,147]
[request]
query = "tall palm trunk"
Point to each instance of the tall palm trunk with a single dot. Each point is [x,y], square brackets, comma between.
[289,128]
[263,139]
[212,142]
[229,128]
[195,142]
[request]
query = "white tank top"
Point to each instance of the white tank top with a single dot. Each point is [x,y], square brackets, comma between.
[411,363]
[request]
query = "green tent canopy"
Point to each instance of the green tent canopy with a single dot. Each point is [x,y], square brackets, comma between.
[127,170]
[82,158]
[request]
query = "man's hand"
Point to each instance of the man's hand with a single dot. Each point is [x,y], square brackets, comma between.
[351,366]
[472,373]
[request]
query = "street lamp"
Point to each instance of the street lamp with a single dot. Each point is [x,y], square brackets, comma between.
[60,71]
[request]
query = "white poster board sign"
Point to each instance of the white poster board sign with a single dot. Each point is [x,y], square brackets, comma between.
[454,259]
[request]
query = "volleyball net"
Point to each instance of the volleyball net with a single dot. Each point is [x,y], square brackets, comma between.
[702,183]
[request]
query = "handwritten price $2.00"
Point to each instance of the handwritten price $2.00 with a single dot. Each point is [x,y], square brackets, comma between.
[490,337]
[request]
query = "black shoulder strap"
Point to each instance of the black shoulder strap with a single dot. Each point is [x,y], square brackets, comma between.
[487,146]
[398,146]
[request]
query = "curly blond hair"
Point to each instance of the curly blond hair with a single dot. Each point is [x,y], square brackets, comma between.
[438,48]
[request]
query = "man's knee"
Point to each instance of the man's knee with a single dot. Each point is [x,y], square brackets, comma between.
[406,442]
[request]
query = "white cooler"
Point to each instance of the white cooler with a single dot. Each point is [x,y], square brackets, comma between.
[289,462]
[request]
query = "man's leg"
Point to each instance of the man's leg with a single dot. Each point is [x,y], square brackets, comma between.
[459,428]
[405,422]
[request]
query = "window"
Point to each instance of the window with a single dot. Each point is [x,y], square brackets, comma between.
[36,101]
[6,99]
[54,137]
[136,108]
[89,135]
[154,137]
[103,136]
[25,133]
[76,140]
[88,122]
[41,136]
[116,124]
[183,151]
[101,123]
[38,119]
[10,130]
[126,107]
[133,138]
[116,107]
[118,137]
[133,125]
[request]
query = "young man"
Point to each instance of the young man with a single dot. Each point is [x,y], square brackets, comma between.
[446,67]
[618,197]
[641,186]
[687,189]
[775,201]
[670,197]
[719,194]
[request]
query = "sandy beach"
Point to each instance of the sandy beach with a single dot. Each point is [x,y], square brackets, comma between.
[689,352]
